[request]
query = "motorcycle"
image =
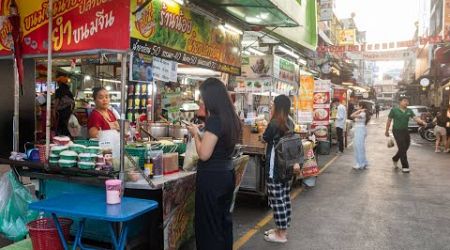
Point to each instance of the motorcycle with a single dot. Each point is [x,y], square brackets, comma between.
[427,132]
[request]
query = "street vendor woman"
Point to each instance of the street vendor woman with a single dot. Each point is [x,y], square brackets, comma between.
[102,118]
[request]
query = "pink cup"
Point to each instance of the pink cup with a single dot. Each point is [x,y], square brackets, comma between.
[113,191]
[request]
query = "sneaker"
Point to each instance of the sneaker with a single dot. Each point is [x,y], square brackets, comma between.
[339,153]
[356,167]
[437,151]
[447,150]
[395,163]
[405,170]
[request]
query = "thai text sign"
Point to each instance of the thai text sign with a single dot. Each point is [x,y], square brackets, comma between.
[78,25]
[285,70]
[165,29]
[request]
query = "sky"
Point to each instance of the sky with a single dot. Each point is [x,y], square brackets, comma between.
[384,20]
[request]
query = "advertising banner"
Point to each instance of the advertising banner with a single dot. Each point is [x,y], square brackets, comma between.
[165,29]
[164,70]
[257,66]
[347,37]
[78,25]
[141,68]
[305,102]
[285,70]
[321,113]
[245,85]
[5,39]
[326,10]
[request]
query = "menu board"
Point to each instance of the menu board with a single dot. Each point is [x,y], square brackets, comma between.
[321,108]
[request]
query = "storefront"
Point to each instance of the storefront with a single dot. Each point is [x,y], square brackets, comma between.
[166,66]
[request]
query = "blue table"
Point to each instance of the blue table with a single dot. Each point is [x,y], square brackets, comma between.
[93,206]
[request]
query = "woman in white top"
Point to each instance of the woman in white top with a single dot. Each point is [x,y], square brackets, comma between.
[361,117]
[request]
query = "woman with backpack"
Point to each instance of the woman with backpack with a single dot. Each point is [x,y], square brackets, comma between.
[278,188]
[362,117]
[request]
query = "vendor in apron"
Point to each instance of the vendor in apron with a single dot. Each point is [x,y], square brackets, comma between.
[102,118]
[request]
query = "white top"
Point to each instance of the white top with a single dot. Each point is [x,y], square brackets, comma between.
[341,116]
[360,120]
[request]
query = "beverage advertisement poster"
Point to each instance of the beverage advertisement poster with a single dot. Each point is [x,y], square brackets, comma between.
[77,25]
[141,69]
[166,29]
[305,100]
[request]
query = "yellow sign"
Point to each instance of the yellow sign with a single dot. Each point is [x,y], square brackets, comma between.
[306,93]
[347,37]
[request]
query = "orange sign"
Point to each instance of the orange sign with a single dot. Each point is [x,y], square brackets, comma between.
[78,25]
[306,93]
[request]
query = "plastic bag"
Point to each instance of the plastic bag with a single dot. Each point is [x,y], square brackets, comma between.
[14,212]
[74,126]
[390,142]
[191,156]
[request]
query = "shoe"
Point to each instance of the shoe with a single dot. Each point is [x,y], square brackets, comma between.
[357,167]
[273,238]
[270,231]
[395,163]
[405,170]
[437,151]
[366,166]
[447,150]
[339,153]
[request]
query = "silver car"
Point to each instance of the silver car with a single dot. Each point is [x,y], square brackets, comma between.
[420,111]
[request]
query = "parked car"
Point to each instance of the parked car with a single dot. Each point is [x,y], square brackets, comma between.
[421,111]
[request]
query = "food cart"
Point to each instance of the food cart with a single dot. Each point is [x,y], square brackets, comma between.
[83,33]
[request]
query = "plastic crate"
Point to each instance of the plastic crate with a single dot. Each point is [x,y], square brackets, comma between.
[86,143]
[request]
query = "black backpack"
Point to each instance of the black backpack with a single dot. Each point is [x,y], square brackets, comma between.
[288,151]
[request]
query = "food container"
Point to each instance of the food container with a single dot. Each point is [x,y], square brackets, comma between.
[61,140]
[159,130]
[68,155]
[56,150]
[53,162]
[78,148]
[86,165]
[158,164]
[53,157]
[93,150]
[87,157]
[170,163]
[67,163]
[177,131]
[113,191]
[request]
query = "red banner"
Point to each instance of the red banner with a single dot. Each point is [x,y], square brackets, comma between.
[78,25]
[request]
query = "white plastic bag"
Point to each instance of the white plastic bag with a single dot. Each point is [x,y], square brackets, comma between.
[390,142]
[74,126]
[191,156]
[110,139]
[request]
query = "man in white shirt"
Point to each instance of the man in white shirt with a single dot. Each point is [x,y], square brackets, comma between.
[341,119]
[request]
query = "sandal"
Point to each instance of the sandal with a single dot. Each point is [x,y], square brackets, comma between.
[270,231]
[273,238]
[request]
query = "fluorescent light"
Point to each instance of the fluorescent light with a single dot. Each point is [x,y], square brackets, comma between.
[246,53]
[109,80]
[255,51]
[233,29]
[302,61]
[108,87]
[180,2]
[87,77]
[250,19]
[263,15]
[196,71]
[236,11]
[289,52]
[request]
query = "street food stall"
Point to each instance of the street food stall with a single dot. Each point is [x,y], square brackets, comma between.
[90,54]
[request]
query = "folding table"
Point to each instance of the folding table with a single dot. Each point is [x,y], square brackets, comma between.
[93,206]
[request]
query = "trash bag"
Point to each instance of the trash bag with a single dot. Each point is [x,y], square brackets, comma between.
[14,212]
[191,156]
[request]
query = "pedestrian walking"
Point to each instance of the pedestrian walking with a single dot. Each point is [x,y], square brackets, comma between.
[341,119]
[440,131]
[377,110]
[278,190]
[361,117]
[215,180]
[401,115]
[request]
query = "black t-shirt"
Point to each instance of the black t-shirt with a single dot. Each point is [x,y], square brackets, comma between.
[222,151]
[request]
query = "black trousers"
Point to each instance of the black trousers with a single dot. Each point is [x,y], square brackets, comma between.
[213,198]
[340,138]
[403,141]
[63,121]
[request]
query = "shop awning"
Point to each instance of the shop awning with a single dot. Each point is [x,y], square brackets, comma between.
[255,12]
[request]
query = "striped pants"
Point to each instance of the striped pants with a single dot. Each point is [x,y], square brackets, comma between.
[280,202]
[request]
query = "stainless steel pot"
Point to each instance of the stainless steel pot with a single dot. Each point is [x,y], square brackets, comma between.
[159,130]
[177,131]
